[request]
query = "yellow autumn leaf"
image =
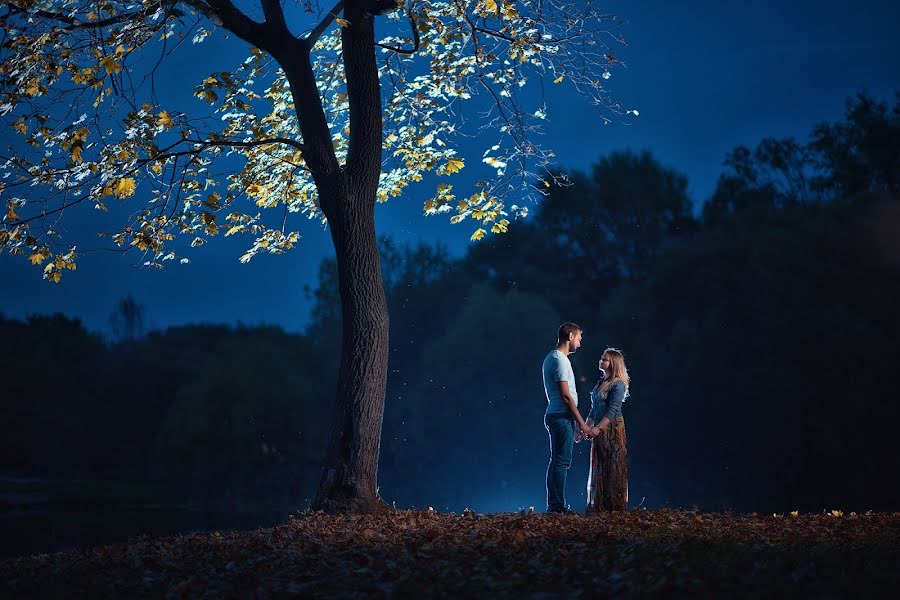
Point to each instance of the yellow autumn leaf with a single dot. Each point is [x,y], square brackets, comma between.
[76,154]
[11,212]
[559,79]
[479,233]
[124,187]
[36,258]
[795,513]
[164,119]
[454,165]
[490,5]
[156,168]
[342,22]
[109,63]
[209,96]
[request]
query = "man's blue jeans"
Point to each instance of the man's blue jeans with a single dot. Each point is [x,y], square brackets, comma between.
[561,427]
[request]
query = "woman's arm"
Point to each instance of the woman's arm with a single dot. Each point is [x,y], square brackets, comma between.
[614,400]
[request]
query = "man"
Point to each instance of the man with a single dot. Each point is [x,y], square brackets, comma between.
[562,413]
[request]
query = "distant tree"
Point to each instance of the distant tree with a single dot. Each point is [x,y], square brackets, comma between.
[127,319]
[847,160]
[307,115]
[861,153]
[606,227]
[776,174]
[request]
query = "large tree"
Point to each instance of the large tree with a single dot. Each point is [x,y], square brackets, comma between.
[305,121]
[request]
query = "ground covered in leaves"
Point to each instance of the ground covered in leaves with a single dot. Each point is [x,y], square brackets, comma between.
[416,553]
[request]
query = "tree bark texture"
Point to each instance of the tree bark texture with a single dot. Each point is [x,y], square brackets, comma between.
[350,475]
[607,488]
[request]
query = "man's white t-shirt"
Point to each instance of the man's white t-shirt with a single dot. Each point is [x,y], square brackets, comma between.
[558,368]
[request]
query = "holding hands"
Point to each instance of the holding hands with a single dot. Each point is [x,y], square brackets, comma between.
[589,431]
[583,432]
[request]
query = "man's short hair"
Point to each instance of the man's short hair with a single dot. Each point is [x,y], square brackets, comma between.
[565,329]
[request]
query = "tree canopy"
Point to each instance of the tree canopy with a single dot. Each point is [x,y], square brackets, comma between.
[81,87]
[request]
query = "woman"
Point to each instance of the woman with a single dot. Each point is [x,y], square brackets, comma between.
[608,479]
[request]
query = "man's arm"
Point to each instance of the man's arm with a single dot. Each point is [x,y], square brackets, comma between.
[573,406]
[595,401]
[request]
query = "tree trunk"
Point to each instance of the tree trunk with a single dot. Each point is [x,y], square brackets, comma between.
[347,198]
[607,488]
[349,478]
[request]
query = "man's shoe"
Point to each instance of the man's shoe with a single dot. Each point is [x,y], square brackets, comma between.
[560,511]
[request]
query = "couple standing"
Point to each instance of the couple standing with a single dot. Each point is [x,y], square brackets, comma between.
[605,427]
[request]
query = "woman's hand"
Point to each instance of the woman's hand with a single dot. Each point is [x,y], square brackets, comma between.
[601,427]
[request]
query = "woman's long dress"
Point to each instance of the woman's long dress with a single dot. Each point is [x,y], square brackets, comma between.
[607,488]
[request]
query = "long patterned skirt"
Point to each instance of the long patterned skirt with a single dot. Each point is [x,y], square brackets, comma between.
[607,487]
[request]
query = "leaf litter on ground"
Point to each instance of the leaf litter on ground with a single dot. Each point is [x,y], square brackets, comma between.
[426,553]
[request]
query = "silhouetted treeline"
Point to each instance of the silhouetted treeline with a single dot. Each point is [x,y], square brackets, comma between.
[219,415]
[761,334]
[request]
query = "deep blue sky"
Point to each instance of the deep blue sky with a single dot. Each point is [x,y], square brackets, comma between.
[706,76]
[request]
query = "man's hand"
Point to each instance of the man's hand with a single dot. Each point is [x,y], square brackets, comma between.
[586,430]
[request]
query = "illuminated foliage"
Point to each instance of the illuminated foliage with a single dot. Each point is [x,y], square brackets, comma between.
[78,96]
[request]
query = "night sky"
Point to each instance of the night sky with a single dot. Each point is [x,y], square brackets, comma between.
[705,76]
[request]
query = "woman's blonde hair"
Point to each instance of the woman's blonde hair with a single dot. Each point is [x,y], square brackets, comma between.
[617,371]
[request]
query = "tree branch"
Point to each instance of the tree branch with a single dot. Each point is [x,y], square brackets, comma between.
[416,40]
[489,32]
[274,15]
[73,24]
[166,154]
[276,140]
[316,33]
[224,14]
